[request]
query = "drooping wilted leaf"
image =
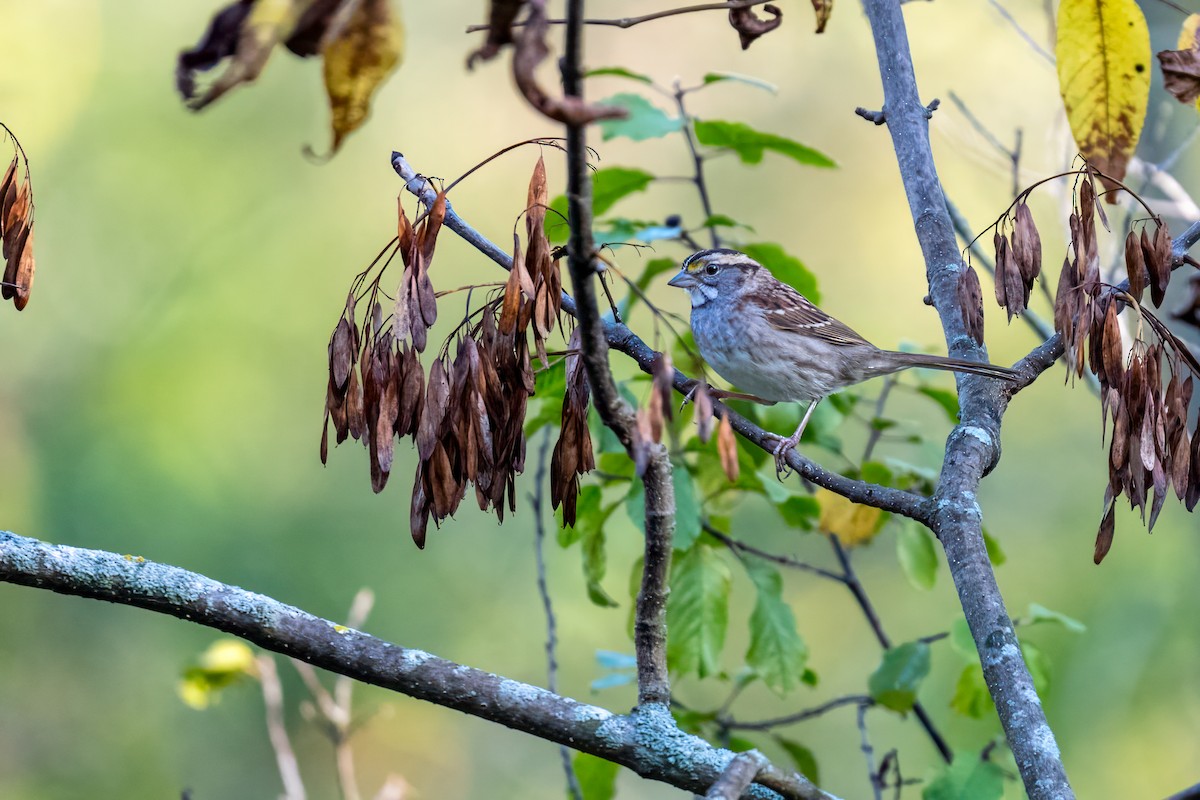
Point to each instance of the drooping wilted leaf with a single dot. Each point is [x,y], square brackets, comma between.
[357,61]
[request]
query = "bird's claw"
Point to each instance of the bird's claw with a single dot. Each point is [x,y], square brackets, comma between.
[782,470]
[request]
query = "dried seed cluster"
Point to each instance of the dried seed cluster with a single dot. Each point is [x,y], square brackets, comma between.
[1018,261]
[1147,393]
[16,233]
[467,415]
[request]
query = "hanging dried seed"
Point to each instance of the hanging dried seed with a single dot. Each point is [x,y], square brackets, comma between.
[703,411]
[727,448]
[1001,279]
[1104,537]
[970,302]
[1112,348]
[1135,266]
[663,378]
[1029,251]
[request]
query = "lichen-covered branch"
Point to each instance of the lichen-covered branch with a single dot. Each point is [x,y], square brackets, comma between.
[672,756]
[973,448]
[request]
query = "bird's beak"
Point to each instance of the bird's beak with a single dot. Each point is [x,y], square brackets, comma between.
[684,280]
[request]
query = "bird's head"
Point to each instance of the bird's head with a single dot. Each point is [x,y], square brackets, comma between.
[709,274]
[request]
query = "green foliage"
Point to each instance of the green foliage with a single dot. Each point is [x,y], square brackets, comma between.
[777,652]
[590,519]
[750,144]
[995,554]
[968,778]
[945,398]
[917,554]
[802,758]
[697,611]
[971,697]
[785,267]
[894,684]
[687,507]
[724,221]
[608,186]
[798,508]
[720,77]
[1039,613]
[545,407]
[618,72]
[597,776]
[644,121]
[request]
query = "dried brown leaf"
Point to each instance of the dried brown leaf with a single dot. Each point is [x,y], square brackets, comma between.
[341,354]
[1027,245]
[1001,278]
[1181,74]
[1112,347]
[418,515]
[437,396]
[749,26]
[531,50]
[823,9]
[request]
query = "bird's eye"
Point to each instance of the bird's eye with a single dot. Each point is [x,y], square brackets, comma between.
[712,269]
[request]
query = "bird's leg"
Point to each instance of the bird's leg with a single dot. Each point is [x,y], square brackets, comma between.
[790,442]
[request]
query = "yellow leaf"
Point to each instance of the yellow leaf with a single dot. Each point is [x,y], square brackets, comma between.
[228,656]
[1188,39]
[853,524]
[1103,53]
[364,53]
[223,664]
[268,23]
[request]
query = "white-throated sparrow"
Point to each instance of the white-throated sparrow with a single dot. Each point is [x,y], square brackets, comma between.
[766,339]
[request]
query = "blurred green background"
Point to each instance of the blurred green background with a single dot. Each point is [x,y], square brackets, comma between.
[162,396]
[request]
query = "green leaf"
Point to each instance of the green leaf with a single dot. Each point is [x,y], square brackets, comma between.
[802,757]
[549,388]
[971,697]
[962,641]
[740,744]
[918,557]
[595,557]
[1039,667]
[644,121]
[894,684]
[723,221]
[1039,613]
[777,652]
[995,554]
[597,777]
[945,398]
[800,512]
[608,186]
[697,611]
[618,72]
[687,508]
[719,77]
[785,267]
[750,144]
[968,778]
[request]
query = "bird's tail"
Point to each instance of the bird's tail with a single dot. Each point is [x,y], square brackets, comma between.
[958,365]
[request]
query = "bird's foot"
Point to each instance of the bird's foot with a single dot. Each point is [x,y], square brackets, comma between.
[782,470]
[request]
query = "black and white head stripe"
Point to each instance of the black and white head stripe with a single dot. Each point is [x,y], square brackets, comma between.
[721,256]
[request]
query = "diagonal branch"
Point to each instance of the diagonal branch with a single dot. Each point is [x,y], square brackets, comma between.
[678,759]
[973,448]
[621,338]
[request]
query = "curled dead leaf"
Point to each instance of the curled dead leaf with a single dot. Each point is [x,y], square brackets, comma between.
[727,448]
[750,26]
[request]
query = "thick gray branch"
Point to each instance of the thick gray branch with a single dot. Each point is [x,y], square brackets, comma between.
[647,743]
[973,448]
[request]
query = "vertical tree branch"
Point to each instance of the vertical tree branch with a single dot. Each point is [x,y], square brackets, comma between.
[650,625]
[973,447]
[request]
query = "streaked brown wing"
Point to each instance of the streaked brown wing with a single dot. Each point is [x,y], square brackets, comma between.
[788,310]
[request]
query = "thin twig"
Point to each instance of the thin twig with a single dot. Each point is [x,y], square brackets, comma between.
[537,508]
[869,753]
[738,775]
[629,22]
[697,164]
[739,546]
[1037,48]
[801,716]
[285,757]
